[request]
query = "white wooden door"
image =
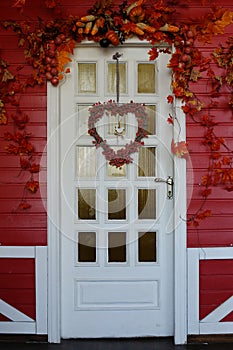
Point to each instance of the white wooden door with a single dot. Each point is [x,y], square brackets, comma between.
[116,236]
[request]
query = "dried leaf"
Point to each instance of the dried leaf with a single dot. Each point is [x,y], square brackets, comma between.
[195,75]
[7,76]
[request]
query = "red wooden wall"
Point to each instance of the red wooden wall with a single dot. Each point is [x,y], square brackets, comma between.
[29,228]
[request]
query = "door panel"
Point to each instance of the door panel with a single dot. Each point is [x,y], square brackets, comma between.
[116,251]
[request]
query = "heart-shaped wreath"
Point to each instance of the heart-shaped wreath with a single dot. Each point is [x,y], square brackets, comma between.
[121,156]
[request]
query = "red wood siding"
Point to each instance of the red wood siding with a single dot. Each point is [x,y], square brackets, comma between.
[17,284]
[216,285]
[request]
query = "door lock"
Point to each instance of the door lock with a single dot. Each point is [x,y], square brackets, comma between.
[169,181]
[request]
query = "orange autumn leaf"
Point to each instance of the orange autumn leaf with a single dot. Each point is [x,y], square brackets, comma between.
[219,26]
[32,186]
[67,46]
[24,205]
[179,149]
[62,59]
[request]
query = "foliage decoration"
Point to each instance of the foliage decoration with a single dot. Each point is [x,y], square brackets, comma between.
[122,156]
[49,44]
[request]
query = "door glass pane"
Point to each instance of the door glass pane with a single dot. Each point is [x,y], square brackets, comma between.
[146,78]
[82,119]
[146,204]
[86,204]
[146,246]
[116,172]
[87,247]
[86,161]
[112,78]
[117,125]
[87,78]
[151,119]
[117,247]
[146,161]
[116,204]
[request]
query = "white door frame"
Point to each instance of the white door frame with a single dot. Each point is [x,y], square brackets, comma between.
[53,210]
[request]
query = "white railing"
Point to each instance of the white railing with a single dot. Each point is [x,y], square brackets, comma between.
[211,323]
[21,323]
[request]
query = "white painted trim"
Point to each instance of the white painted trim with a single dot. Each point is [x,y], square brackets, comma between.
[21,323]
[41,290]
[220,312]
[211,323]
[193,291]
[216,328]
[180,244]
[17,252]
[12,313]
[216,253]
[53,180]
[53,210]
[18,327]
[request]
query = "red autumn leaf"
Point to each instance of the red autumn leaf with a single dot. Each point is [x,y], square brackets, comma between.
[226,161]
[170,120]
[24,163]
[185,109]
[50,4]
[24,205]
[170,99]
[179,149]
[35,168]
[206,180]
[19,4]
[8,136]
[206,192]
[153,53]
[32,186]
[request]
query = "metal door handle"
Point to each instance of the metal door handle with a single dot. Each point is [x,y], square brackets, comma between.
[169,181]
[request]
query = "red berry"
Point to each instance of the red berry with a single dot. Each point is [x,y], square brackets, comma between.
[48,76]
[51,53]
[55,81]
[62,37]
[185,58]
[190,34]
[48,68]
[48,60]
[187,50]
[54,71]
[189,42]
[181,65]
[53,62]
[58,41]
